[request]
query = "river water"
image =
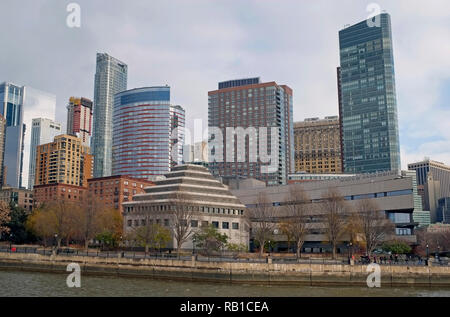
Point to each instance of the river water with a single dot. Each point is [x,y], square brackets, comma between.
[19,283]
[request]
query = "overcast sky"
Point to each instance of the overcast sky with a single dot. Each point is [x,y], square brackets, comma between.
[193,44]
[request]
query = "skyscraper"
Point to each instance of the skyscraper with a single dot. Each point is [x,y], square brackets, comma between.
[42,131]
[367,98]
[143,142]
[79,119]
[110,79]
[317,145]
[19,105]
[259,117]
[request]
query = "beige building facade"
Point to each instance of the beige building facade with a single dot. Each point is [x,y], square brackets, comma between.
[317,145]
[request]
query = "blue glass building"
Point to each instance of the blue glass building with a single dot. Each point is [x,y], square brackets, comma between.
[367,98]
[147,132]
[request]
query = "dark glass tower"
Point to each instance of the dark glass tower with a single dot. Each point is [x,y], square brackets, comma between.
[367,98]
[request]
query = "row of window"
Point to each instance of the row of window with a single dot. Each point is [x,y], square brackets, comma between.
[193,223]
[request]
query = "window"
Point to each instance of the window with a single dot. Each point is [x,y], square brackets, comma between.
[194,223]
[215,224]
[166,222]
[225,225]
[205,224]
[235,225]
[130,223]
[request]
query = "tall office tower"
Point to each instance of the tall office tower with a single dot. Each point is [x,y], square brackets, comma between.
[258,116]
[367,98]
[19,105]
[433,183]
[317,145]
[143,122]
[79,119]
[64,161]
[110,79]
[2,150]
[42,131]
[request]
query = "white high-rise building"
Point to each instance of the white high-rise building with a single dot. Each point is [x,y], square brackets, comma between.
[42,131]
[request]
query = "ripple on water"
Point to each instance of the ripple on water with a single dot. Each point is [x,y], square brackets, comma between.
[15,283]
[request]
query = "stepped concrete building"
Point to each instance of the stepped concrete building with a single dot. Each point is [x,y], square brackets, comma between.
[193,189]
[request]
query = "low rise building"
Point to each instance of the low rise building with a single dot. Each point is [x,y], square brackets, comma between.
[114,190]
[52,192]
[194,189]
[392,194]
[22,198]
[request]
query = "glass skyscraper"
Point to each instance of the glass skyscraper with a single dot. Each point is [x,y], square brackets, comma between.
[110,79]
[367,98]
[145,143]
[19,105]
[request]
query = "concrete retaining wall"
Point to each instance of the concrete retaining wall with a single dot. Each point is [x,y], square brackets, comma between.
[231,272]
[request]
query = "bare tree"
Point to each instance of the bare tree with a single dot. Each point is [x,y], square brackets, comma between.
[372,224]
[296,225]
[182,216]
[261,219]
[54,219]
[334,217]
[88,220]
[5,218]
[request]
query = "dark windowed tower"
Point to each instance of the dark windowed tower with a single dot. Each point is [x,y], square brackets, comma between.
[367,98]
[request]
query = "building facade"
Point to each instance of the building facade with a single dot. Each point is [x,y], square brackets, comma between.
[19,105]
[2,151]
[79,119]
[443,214]
[196,153]
[22,198]
[51,192]
[115,190]
[42,131]
[110,79]
[251,130]
[194,189]
[367,98]
[64,161]
[318,145]
[143,143]
[391,193]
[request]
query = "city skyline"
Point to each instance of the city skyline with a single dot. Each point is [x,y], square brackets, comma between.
[306,63]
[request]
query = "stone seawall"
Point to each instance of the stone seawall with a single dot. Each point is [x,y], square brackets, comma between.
[231,272]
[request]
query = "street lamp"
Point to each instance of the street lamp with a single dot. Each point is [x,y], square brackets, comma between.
[193,246]
[10,241]
[269,247]
[428,255]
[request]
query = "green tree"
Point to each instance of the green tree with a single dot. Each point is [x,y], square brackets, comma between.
[151,235]
[397,247]
[210,239]
[17,225]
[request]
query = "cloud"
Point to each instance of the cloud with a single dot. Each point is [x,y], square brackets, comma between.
[193,44]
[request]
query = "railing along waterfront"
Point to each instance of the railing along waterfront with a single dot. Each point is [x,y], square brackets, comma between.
[202,258]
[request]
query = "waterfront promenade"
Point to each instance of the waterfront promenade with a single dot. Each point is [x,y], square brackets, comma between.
[225,270]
